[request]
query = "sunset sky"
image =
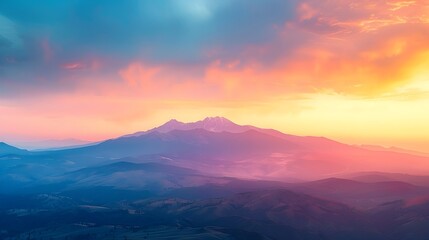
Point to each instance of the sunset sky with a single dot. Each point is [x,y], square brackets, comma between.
[353,71]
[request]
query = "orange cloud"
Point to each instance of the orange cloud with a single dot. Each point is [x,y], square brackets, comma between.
[137,74]
[364,48]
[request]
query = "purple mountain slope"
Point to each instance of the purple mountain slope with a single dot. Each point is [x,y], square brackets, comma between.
[221,124]
[217,146]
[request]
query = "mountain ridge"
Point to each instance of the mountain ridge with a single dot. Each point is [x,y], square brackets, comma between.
[217,146]
[213,124]
[6,149]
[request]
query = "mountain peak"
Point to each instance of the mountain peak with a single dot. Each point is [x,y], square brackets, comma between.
[212,124]
[218,124]
[172,122]
[217,119]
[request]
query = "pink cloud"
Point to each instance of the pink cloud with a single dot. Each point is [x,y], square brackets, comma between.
[72,66]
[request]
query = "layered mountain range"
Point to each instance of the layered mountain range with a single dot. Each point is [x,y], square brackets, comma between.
[217,146]
[213,179]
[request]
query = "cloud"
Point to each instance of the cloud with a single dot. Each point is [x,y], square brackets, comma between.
[217,50]
[53,34]
[279,47]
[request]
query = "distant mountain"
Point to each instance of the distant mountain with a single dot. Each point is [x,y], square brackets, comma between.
[360,194]
[215,124]
[212,124]
[374,177]
[6,149]
[213,153]
[217,146]
[221,124]
[393,149]
[55,144]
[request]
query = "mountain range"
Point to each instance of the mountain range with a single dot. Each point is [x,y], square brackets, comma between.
[217,146]
[213,179]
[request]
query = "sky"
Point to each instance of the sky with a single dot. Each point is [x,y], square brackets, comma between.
[353,71]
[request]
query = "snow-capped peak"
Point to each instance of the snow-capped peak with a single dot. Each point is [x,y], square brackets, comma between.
[212,124]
